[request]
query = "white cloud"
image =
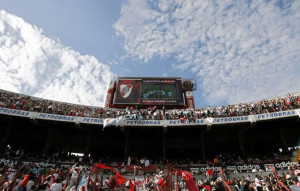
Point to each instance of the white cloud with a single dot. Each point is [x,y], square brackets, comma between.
[34,64]
[239,51]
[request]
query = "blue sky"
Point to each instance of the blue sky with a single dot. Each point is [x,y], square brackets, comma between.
[237,51]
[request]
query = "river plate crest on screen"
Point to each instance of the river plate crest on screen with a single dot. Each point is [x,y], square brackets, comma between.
[125,90]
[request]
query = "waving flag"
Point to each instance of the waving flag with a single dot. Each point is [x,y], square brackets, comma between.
[109,122]
[113,122]
[189,181]
[209,120]
[100,165]
[120,179]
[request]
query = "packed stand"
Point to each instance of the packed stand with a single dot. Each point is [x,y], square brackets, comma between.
[27,103]
[105,176]
[222,159]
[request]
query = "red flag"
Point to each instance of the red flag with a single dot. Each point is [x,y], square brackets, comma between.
[207,187]
[25,180]
[190,183]
[210,172]
[95,169]
[131,185]
[120,179]
[223,178]
[161,183]
[99,165]
[177,172]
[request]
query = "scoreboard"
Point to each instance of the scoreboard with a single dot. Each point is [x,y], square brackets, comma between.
[148,91]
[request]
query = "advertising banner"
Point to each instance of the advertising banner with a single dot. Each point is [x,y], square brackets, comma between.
[143,122]
[91,120]
[231,120]
[188,123]
[276,115]
[244,167]
[54,117]
[15,112]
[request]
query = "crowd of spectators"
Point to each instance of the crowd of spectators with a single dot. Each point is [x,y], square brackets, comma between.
[257,183]
[23,102]
[27,103]
[222,159]
[40,174]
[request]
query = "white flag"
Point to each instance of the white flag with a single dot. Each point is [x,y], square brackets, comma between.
[108,122]
[82,186]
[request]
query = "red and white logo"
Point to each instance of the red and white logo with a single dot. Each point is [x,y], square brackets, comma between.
[125,90]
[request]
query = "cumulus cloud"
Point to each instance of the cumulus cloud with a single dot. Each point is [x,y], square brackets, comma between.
[239,50]
[34,64]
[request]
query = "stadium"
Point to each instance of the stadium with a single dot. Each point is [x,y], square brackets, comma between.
[161,95]
[164,128]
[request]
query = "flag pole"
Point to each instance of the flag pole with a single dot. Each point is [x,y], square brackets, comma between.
[89,179]
[276,176]
[67,179]
[78,179]
[101,179]
[224,182]
[12,184]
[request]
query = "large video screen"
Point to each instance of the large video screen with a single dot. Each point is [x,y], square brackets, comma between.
[149,91]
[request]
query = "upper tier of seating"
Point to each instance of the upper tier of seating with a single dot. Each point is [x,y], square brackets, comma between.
[28,103]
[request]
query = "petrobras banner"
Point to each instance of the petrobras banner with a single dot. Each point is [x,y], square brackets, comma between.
[186,122]
[128,121]
[143,122]
[15,112]
[54,117]
[276,115]
[238,119]
[88,120]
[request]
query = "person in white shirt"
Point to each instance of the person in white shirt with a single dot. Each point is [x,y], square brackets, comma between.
[147,163]
[258,183]
[128,161]
[74,177]
[29,185]
[57,186]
